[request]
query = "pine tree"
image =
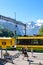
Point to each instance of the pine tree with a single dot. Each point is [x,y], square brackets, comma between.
[41,30]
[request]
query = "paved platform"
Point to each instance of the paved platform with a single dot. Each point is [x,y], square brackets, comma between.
[33,60]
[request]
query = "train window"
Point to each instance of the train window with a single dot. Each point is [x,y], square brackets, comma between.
[40,41]
[20,42]
[3,43]
[17,42]
[34,42]
[23,42]
[29,42]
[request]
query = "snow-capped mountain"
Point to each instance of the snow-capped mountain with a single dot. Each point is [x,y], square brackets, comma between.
[10,26]
[33,28]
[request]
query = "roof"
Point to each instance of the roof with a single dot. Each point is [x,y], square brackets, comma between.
[5,38]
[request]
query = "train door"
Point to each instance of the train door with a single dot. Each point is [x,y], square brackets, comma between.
[3,45]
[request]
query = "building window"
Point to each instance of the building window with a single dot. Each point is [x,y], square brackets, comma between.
[3,43]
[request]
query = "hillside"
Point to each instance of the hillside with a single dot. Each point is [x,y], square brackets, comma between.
[6,33]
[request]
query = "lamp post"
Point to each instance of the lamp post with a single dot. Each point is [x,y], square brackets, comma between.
[25,29]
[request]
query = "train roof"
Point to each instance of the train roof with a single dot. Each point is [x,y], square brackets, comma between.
[30,37]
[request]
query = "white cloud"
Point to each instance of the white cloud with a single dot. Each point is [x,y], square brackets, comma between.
[39,22]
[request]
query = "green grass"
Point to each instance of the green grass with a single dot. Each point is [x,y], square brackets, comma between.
[35,50]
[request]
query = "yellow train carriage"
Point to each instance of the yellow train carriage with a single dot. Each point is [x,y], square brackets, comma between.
[30,42]
[6,42]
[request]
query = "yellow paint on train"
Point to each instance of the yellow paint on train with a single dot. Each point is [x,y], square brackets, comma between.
[31,42]
[6,42]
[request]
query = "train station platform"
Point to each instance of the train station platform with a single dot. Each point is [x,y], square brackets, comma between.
[36,59]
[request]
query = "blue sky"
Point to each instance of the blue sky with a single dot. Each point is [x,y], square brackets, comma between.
[26,10]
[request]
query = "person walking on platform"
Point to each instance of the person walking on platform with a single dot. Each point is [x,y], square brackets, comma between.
[24,52]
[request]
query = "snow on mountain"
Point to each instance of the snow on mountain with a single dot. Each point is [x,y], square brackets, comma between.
[32,27]
[10,26]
